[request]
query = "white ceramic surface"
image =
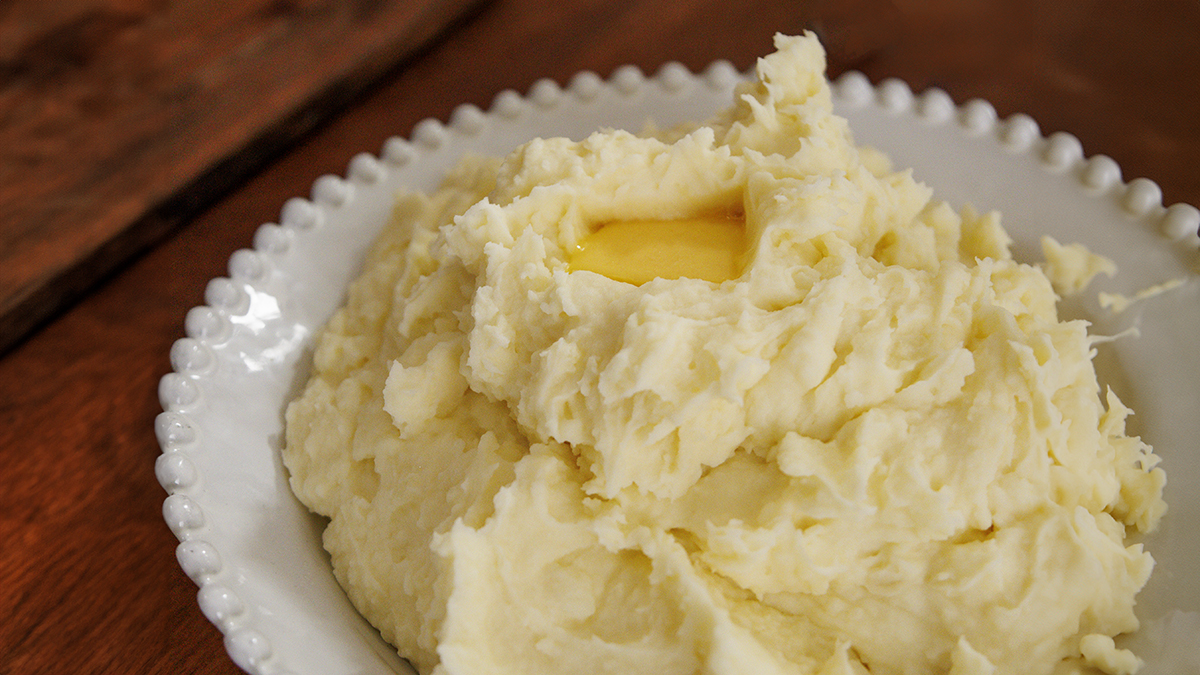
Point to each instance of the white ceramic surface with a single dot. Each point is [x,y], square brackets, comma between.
[255,552]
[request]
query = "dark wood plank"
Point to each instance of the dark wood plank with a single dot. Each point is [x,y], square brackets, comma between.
[120,119]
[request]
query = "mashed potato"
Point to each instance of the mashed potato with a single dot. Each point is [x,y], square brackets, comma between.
[872,448]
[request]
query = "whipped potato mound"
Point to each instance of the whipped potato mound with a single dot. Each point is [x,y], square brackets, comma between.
[869,446]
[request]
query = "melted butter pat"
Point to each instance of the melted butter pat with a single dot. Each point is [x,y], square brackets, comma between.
[712,248]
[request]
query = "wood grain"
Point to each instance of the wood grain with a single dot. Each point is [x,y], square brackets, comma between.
[88,578]
[120,119]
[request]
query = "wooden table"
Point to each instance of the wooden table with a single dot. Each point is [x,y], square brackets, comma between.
[88,578]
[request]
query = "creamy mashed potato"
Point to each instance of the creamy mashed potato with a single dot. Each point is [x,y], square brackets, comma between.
[870,446]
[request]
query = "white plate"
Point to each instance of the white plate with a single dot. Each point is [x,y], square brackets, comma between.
[255,552]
